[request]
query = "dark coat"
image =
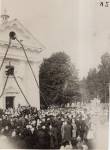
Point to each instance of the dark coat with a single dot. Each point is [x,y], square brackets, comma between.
[67,132]
[43,139]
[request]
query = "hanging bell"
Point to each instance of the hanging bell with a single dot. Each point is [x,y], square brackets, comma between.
[12,35]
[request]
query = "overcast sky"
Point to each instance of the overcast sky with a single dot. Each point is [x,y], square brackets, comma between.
[81,28]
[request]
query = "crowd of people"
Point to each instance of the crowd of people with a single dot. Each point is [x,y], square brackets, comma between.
[53,128]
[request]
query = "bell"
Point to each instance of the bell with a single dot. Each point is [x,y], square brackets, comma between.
[12,35]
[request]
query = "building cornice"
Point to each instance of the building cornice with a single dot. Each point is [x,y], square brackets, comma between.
[17,46]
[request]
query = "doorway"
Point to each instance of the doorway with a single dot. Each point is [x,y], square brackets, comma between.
[9,102]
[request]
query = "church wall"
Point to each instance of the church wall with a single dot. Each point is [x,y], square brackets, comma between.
[1,86]
[32,91]
[26,81]
[18,60]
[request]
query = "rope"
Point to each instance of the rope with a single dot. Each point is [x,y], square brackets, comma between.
[21,90]
[31,70]
[4,86]
[2,66]
[15,77]
[28,61]
[5,54]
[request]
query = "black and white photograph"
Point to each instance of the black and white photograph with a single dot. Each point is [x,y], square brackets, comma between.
[54,74]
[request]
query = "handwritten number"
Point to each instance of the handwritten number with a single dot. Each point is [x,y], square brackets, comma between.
[107,4]
[101,4]
[104,4]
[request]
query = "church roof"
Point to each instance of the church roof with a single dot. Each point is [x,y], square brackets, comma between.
[27,39]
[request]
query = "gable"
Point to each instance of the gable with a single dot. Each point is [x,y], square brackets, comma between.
[27,39]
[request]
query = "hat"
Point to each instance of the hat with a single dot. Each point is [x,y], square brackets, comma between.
[43,127]
[27,126]
[78,138]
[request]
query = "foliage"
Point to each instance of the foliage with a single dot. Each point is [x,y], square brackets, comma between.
[58,80]
[97,81]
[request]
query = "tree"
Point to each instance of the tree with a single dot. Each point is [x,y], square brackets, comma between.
[59,79]
[97,81]
[92,83]
[104,77]
[85,96]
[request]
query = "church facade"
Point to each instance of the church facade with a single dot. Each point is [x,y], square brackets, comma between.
[12,96]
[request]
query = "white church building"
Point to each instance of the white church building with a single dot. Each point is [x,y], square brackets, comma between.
[12,95]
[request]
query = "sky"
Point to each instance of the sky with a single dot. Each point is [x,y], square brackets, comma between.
[81,28]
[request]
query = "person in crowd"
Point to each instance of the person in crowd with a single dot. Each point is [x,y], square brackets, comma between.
[52,128]
[74,129]
[66,131]
[43,138]
[84,146]
[66,145]
[79,143]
